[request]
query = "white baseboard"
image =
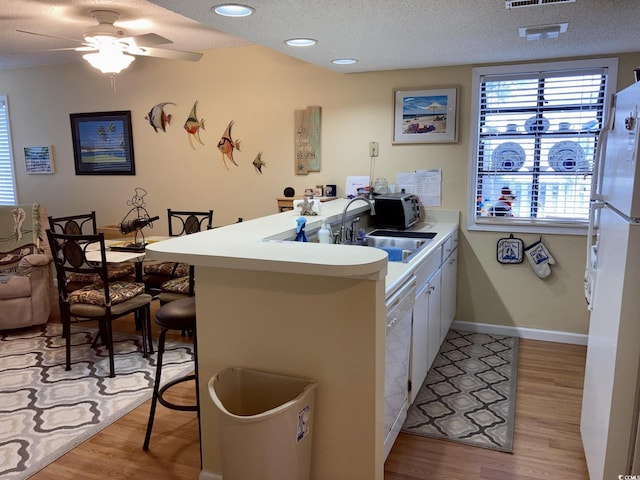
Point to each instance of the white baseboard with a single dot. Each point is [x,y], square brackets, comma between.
[521,332]
[204,475]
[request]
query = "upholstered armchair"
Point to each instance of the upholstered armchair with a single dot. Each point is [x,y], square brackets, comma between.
[26,267]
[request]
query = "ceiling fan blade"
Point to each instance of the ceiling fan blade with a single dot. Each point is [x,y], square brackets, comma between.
[169,54]
[77,49]
[51,36]
[149,39]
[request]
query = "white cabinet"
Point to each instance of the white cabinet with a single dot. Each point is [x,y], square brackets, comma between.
[449,280]
[422,319]
[433,335]
[448,297]
[434,309]
[419,342]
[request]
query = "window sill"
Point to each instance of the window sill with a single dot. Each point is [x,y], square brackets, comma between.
[522,227]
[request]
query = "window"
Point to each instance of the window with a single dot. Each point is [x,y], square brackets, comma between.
[7,180]
[534,136]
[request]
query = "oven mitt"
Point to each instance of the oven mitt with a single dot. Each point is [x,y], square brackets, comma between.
[540,259]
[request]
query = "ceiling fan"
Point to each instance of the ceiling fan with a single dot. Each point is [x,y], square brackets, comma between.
[109,48]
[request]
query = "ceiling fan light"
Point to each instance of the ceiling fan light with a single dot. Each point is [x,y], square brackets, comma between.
[109,60]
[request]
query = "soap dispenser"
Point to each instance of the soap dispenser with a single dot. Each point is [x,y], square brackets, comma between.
[324,234]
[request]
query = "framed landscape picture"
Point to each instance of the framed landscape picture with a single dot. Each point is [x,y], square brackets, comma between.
[425,115]
[102,143]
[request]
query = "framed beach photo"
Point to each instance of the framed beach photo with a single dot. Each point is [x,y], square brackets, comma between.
[425,115]
[39,160]
[102,143]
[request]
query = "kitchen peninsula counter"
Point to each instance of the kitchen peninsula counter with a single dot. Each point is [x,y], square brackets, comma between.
[306,310]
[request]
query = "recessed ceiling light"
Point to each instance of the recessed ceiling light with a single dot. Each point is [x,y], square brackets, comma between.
[232,10]
[344,61]
[300,42]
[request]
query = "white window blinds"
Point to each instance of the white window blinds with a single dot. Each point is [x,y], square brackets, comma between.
[537,133]
[7,180]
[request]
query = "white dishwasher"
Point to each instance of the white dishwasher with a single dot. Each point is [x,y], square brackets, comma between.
[396,371]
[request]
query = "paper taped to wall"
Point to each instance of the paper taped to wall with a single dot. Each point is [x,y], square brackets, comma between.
[426,184]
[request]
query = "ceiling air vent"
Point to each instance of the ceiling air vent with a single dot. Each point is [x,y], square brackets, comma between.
[531,3]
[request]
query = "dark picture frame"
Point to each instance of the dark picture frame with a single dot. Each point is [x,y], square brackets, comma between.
[425,115]
[102,143]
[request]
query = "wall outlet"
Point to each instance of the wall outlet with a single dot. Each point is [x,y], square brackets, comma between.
[373,149]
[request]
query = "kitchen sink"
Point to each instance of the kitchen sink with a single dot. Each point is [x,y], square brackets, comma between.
[401,234]
[402,243]
[401,246]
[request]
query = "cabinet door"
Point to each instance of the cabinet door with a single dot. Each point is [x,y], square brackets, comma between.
[419,341]
[434,338]
[449,280]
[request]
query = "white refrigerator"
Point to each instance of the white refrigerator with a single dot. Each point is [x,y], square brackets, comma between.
[610,405]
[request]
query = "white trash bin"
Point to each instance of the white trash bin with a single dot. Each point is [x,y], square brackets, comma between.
[264,424]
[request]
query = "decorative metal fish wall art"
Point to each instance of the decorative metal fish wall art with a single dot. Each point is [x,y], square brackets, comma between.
[258,163]
[226,145]
[158,118]
[193,126]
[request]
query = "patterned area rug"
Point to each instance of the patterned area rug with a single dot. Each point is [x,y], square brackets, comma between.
[46,411]
[469,393]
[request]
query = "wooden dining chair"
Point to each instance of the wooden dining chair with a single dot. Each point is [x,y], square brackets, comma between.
[102,300]
[174,280]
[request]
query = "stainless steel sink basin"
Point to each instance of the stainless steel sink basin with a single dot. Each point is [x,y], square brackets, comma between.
[401,246]
[401,234]
[393,242]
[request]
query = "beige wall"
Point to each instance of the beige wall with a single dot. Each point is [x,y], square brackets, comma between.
[260,90]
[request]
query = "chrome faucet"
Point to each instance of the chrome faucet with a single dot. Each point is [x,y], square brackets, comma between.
[343,228]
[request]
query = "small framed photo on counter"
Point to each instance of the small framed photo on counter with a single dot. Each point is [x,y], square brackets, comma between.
[39,160]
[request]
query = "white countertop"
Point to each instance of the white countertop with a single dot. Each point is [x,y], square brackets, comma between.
[259,245]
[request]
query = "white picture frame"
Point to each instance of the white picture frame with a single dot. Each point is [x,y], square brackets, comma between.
[425,115]
[39,160]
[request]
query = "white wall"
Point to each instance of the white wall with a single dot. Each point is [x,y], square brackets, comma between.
[260,90]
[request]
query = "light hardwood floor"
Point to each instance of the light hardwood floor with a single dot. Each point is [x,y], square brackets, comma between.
[547,441]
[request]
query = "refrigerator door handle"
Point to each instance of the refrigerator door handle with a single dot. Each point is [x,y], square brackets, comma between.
[592,252]
[599,157]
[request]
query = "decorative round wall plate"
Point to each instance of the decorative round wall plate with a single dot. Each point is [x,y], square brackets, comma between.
[535,124]
[567,157]
[508,156]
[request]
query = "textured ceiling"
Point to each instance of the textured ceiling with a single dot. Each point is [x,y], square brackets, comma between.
[381,34]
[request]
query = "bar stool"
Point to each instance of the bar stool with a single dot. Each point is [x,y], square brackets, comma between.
[176,315]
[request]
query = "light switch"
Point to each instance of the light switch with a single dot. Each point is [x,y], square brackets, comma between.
[373,149]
